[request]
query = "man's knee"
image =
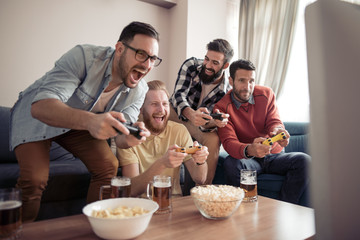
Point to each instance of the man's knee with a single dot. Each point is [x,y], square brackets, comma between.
[32,186]
[108,167]
[302,160]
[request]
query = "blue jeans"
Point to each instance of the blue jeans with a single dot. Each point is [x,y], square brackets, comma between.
[294,166]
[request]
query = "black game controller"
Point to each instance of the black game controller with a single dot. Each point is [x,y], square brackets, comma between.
[135,131]
[217,116]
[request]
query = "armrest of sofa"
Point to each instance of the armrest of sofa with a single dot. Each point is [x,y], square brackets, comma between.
[298,136]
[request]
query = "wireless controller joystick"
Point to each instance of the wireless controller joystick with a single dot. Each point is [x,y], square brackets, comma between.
[189,150]
[271,141]
[135,131]
[217,116]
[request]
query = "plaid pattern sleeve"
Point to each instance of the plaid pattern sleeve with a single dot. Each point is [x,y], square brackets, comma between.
[187,88]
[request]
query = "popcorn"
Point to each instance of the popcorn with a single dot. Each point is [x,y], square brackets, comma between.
[119,212]
[217,201]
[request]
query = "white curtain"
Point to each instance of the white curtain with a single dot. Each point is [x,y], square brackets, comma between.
[266,30]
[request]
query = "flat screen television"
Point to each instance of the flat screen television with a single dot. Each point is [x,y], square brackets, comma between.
[333,52]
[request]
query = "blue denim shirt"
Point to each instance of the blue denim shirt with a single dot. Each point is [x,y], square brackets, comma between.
[77,79]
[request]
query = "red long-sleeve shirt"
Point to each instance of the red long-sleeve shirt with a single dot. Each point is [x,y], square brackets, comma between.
[249,121]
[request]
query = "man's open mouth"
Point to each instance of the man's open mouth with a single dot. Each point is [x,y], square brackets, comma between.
[137,73]
[158,118]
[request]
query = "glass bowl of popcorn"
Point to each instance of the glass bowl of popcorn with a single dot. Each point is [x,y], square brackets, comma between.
[217,201]
[120,218]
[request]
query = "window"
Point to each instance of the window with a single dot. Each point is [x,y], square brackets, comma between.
[293,103]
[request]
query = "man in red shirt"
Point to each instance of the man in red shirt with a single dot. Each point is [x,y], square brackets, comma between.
[254,117]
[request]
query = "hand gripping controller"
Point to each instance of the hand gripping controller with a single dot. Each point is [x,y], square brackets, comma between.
[271,141]
[190,149]
[135,131]
[217,116]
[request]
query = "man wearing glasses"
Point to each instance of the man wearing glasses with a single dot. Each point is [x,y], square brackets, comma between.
[79,104]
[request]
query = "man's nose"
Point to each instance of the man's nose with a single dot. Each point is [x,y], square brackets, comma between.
[148,64]
[247,86]
[209,65]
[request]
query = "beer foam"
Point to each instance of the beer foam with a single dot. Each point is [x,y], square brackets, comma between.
[162,184]
[120,182]
[6,205]
[248,181]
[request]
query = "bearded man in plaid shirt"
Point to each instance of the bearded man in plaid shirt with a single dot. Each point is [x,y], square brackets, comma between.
[200,84]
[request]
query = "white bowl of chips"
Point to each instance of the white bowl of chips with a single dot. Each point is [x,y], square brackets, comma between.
[217,201]
[120,218]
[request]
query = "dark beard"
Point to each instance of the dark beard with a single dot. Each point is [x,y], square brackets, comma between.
[240,99]
[151,128]
[121,68]
[206,79]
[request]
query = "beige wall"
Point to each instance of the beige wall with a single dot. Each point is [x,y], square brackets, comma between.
[34,34]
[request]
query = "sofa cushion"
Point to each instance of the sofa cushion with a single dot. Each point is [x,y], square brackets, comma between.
[68,172]
[59,153]
[9,175]
[298,136]
[69,179]
[5,155]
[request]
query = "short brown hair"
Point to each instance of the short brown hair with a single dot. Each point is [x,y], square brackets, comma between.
[158,85]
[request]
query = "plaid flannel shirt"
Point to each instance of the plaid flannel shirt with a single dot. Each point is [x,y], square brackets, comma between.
[188,87]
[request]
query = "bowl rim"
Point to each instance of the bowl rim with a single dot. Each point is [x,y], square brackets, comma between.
[123,218]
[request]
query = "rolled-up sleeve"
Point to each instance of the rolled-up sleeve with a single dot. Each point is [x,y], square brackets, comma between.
[61,81]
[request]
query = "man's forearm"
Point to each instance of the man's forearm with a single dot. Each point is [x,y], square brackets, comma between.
[188,112]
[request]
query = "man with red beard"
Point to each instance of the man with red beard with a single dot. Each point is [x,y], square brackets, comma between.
[254,118]
[157,155]
[80,104]
[200,84]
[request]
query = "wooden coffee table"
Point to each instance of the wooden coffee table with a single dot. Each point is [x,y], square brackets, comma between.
[265,219]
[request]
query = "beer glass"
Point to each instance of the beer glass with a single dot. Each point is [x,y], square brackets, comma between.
[248,183]
[10,213]
[120,187]
[160,189]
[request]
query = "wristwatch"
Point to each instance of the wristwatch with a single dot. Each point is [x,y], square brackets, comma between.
[246,152]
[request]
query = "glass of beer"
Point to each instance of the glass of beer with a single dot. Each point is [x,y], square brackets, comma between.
[248,183]
[160,189]
[10,213]
[120,187]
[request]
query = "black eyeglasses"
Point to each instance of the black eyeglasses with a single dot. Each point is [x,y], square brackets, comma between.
[142,56]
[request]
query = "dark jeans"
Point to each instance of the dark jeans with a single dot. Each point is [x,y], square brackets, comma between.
[294,166]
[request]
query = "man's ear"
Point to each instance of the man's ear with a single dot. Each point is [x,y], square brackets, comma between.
[231,81]
[226,65]
[119,46]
